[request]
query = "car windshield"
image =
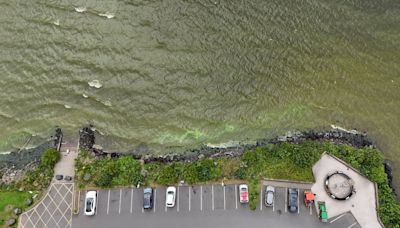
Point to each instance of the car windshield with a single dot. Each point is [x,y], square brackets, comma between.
[89,203]
[170,192]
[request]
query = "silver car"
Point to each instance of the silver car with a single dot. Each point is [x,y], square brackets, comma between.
[269,196]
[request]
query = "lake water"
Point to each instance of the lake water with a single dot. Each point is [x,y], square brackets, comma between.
[170,75]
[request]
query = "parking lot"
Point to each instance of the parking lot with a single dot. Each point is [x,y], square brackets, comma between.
[199,206]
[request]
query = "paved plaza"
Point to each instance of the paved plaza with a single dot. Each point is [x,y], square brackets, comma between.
[362,204]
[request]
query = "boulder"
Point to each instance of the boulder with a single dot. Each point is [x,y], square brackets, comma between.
[68,178]
[28,202]
[10,222]
[59,177]
[17,211]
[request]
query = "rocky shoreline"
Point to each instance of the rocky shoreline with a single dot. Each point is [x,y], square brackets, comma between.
[14,165]
[356,139]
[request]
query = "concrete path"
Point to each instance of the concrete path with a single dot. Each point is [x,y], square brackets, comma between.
[55,208]
[66,165]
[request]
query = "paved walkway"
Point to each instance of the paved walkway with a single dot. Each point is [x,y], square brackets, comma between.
[362,204]
[66,165]
[55,209]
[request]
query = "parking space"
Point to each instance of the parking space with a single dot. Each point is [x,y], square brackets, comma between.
[344,220]
[184,198]
[159,200]
[127,196]
[232,198]
[280,200]
[206,198]
[213,202]
[196,198]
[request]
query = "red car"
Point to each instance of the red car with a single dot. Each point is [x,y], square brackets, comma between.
[243,193]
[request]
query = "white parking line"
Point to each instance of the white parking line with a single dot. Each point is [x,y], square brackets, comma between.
[165,204]
[177,208]
[108,201]
[236,196]
[189,196]
[286,193]
[131,199]
[212,196]
[337,218]
[142,210]
[97,203]
[298,199]
[224,199]
[352,225]
[119,207]
[261,198]
[155,200]
[273,203]
[311,209]
[201,198]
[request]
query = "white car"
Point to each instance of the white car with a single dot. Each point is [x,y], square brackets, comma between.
[269,196]
[243,193]
[170,197]
[90,203]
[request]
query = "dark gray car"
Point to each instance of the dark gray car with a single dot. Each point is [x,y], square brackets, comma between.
[293,195]
[147,198]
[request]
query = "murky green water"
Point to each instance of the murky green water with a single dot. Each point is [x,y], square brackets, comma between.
[177,74]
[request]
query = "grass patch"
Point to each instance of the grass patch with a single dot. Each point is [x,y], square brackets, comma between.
[10,201]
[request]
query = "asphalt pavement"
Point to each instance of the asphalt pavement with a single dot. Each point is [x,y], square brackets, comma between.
[199,206]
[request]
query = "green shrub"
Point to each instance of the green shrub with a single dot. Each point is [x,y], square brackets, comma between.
[254,194]
[240,174]
[129,171]
[115,172]
[169,174]
[49,158]
[190,174]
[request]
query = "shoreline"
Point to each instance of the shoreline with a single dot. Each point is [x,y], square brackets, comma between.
[15,163]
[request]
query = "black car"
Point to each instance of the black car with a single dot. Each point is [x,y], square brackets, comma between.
[147,198]
[293,195]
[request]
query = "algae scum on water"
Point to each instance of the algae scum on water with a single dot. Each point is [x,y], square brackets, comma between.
[177,74]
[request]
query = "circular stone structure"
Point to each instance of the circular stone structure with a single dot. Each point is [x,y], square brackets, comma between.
[339,186]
